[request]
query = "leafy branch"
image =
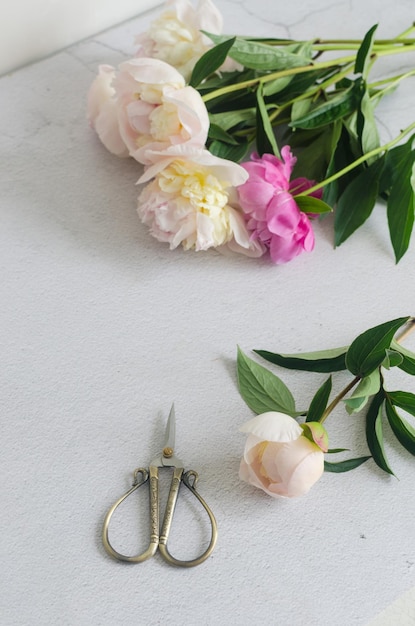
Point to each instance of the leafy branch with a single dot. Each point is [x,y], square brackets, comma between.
[368,356]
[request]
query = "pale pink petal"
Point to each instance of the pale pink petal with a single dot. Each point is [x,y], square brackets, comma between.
[242,241]
[103,111]
[192,113]
[223,169]
[273,426]
[301,464]
[152,72]
[108,130]
[100,92]
[209,17]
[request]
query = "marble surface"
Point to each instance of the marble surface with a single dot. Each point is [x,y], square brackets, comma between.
[102,327]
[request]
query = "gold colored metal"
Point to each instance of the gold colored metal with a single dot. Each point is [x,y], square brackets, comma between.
[159,540]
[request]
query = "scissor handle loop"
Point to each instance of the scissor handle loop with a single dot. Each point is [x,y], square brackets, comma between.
[151,550]
[189,478]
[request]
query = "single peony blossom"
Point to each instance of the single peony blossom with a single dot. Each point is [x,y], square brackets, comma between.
[156,109]
[281,457]
[102,111]
[146,107]
[191,201]
[271,212]
[176,37]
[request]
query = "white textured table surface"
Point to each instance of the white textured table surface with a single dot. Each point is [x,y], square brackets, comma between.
[102,327]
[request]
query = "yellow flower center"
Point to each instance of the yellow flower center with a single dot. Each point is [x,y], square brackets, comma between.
[164,122]
[197,191]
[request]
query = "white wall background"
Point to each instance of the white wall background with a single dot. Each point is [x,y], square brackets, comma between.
[32,29]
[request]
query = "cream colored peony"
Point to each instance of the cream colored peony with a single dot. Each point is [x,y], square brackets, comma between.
[279,458]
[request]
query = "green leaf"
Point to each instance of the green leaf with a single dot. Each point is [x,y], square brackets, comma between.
[366,125]
[265,138]
[316,148]
[374,434]
[403,430]
[227,151]
[342,156]
[362,63]
[394,161]
[230,119]
[261,389]
[276,86]
[392,359]
[354,405]
[210,62]
[408,363]
[403,399]
[368,350]
[309,204]
[216,132]
[337,107]
[368,386]
[336,450]
[300,108]
[323,361]
[401,205]
[345,466]
[319,402]
[356,202]
[260,56]
[301,82]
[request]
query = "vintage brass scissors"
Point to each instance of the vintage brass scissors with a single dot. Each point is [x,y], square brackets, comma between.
[167,458]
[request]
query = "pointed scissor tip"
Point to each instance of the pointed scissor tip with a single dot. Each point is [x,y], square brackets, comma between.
[170,430]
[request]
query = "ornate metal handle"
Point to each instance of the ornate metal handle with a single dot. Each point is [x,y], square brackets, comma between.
[154,512]
[190,479]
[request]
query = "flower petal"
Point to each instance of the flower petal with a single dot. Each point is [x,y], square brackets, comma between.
[273,426]
[152,72]
[301,464]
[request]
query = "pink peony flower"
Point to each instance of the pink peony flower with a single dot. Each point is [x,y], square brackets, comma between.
[271,212]
[279,458]
[190,201]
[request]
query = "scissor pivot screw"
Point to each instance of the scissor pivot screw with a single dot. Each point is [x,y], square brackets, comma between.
[168,452]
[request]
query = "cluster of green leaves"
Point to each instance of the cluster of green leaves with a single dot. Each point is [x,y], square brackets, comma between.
[366,358]
[325,112]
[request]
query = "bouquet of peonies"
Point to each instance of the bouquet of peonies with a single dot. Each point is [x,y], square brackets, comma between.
[245,142]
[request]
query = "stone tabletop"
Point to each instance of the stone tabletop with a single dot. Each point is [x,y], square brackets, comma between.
[102,327]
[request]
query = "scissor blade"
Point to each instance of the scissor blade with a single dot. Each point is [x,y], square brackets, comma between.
[171,429]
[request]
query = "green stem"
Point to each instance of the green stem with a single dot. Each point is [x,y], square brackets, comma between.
[406,32]
[339,397]
[340,44]
[395,50]
[362,159]
[384,51]
[409,328]
[377,45]
[391,81]
[274,75]
[304,96]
